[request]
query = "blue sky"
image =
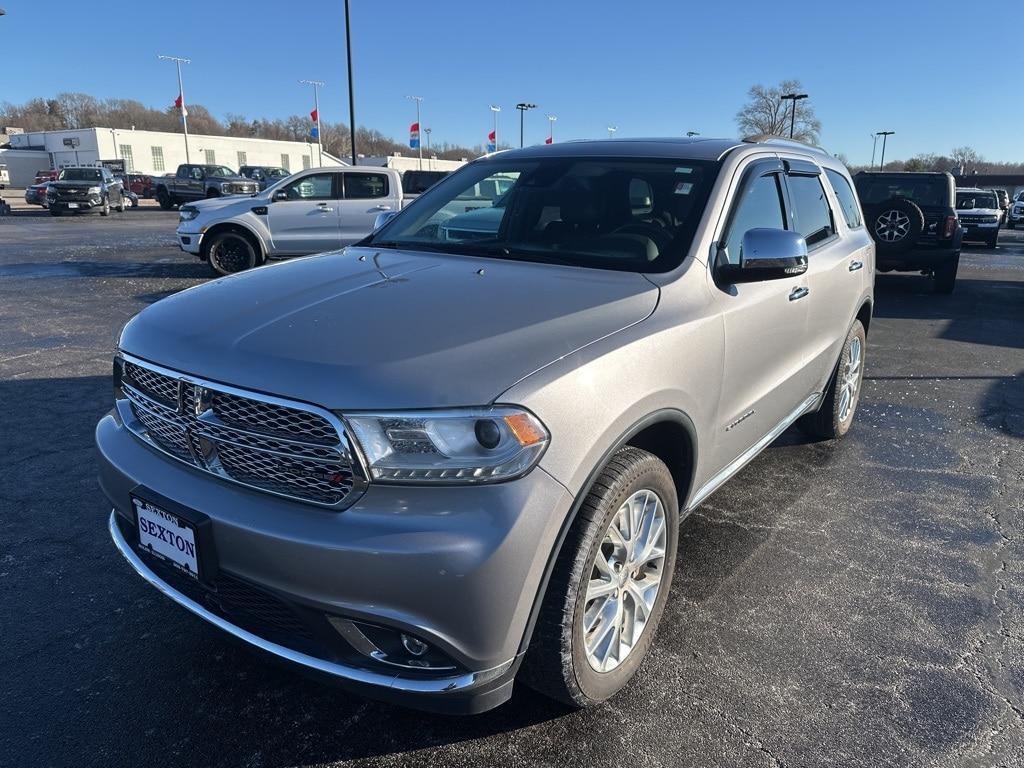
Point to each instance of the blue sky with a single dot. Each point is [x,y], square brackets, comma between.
[650,68]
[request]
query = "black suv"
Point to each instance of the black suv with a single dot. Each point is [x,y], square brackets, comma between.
[913,222]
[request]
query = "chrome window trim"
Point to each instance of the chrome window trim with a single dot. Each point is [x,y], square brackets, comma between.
[346,447]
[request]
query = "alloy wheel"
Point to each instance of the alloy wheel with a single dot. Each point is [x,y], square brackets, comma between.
[233,253]
[892,226]
[624,581]
[852,370]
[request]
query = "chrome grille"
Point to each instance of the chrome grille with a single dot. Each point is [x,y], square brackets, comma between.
[284,448]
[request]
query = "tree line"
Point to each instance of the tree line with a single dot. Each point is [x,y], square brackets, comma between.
[80,110]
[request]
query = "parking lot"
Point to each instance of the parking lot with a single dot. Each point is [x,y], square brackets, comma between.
[854,604]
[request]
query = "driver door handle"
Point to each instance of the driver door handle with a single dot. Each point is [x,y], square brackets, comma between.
[855,265]
[381,208]
[324,209]
[798,293]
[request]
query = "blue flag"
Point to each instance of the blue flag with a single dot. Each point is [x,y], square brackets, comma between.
[314,132]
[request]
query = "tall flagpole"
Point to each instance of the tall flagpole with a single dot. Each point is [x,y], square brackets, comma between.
[419,128]
[181,93]
[316,108]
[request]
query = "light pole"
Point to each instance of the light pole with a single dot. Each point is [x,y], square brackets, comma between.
[419,144]
[522,107]
[885,135]
[874,146]
[178,61]
[794,97]
[317,84]
[495,109]
[691,134]
[611,130]
[551,129]
[351,92]
[427,132]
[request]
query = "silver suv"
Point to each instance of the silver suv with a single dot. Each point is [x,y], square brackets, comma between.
[450,457]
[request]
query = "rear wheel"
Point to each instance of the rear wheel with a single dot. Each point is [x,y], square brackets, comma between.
[163,197]
[945,275]
[610,584]
[834,418]
[231,252]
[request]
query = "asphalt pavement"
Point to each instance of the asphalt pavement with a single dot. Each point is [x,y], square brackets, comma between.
[852,604]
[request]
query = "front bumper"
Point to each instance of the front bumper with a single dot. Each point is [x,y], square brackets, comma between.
[190,242]
[460,567]
[76,205]
[981,232]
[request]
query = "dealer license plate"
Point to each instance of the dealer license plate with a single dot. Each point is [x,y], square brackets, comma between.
[167,536]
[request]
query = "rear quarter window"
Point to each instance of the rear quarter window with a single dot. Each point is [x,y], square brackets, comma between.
[847,199]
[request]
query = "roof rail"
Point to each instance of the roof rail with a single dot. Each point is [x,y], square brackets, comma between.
[768,138]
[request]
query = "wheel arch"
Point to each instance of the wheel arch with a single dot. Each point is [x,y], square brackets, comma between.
[668,434]
[232,226]
[864,314]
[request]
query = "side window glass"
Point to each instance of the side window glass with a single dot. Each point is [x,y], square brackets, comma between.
[365,186]
[813,215]
[847,200]
[759,206]
[316,187]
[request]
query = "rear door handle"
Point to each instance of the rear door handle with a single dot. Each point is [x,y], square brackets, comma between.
[855,265]
[381,208]
[324,209]
[798,293]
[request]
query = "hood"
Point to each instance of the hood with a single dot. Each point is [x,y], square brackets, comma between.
[367,329]
[210,204]
[75,184]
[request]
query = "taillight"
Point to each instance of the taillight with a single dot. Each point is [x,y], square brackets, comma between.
[950,227]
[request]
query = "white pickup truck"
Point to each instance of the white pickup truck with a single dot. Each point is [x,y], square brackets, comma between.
[311,211]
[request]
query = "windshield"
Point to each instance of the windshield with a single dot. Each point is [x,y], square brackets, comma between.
[219,170]
[276,173]
[976,200]
[80,174]
[633,215]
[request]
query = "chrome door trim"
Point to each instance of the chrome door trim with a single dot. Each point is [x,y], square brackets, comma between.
[744,458]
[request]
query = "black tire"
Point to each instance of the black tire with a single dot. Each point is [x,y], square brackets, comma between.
[55,212]
[121,206]
[993,243]
[945,275]
[212,193]
[828,423]
[232,251]
[895,225]
[556,662]
[105,208]
[1011,225]
[164,198]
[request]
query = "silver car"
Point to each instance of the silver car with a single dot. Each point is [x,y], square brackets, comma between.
[448,457]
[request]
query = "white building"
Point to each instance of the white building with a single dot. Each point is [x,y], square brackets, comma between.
[151,152]
[403,163]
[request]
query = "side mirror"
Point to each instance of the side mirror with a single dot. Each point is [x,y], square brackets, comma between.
[767,254]
[383,218]
[280,195]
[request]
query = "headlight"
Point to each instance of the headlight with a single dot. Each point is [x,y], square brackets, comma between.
[465,445]
[94,190]
[187,213]
[225,187]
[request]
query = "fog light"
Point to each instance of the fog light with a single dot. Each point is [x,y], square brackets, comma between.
[414,645]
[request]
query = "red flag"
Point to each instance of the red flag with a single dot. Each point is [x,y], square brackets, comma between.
[491,137]
[177,102]
[414,128]
[549,140]
[314,116]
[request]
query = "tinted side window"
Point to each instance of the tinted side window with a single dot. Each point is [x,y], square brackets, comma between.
[365,186]
[760,205]
[315,187]
[813,216]
[847,200]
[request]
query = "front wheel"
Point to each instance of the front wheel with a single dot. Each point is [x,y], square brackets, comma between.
[105,208]
[121,206]
[609,585]
[231,252]
[834,418]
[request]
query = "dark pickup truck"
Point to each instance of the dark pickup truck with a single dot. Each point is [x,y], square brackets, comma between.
[196,182]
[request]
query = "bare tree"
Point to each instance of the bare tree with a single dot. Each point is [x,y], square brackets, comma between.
[766,113]
[965,158]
